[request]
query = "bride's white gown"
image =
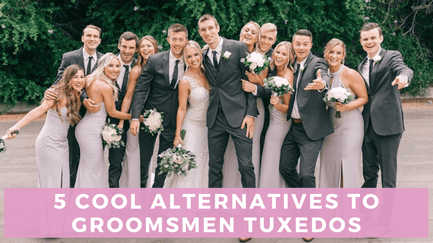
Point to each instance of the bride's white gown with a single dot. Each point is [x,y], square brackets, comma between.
[195,139]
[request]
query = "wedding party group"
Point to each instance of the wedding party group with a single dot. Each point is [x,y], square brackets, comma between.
[252,114]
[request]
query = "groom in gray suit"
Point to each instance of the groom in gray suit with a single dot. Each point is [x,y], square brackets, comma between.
[231,111]
[157,89]
[310,119]
[385,74]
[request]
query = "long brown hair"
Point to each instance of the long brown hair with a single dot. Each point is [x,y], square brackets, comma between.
[65,90]
[140,61]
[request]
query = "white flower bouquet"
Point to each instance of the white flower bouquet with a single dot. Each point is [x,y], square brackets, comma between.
[338,94]
[3,144]
[280,86]
[256,62]
[153,121]
[112,136]
[177,160]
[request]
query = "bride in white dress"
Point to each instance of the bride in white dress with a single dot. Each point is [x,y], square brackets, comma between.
[191,116]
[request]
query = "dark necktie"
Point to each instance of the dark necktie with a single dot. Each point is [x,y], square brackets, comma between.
[89,66]
[125,78]
[174,79]
[369,71]
[295,83]
[215,60]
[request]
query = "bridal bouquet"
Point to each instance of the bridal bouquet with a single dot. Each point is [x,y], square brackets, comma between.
[177,160]
[153,121]
[280,86]
[256,62]
[338,94]
[3,144]
[112,136]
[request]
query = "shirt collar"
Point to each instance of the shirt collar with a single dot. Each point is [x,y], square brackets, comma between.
[377,54]
[219,48]
[302,62]
[86,55]
[122,63]
[172,58]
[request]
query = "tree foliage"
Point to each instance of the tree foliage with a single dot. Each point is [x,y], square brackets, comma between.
[35,34]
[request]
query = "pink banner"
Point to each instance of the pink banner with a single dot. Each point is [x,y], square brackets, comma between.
[216,213]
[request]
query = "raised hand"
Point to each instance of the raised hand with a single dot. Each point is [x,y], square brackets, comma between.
[317,83]
[401,81]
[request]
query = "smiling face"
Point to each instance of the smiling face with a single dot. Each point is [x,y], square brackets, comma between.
[77,81]
[146,49]
[208,31]
[112,70]
[302,45]
[335,56]
[91,40]
[281,56]
[370,41]
[267,39]
[192,57]
[127,50]
[177,41]
[249,35]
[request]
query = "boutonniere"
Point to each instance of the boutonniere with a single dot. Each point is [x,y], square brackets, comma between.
[227,55]
[302,68]
[376,59]
[205,47]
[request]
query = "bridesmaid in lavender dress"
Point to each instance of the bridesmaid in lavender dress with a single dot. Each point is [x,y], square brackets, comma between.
[250,35]
[130,177]
[340,157]
[100,88]
[52,150]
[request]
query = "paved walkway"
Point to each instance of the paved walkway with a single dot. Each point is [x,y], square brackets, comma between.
[415,170]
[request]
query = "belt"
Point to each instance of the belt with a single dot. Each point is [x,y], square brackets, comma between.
[296,120]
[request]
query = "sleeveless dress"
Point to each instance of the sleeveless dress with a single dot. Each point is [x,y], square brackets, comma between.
[270,176]
[231,174]
[195,139]
[52,151]
[92,172]
[341,151]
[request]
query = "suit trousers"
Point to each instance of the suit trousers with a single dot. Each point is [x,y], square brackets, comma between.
[218,136]
[115,157]
[74,155]
[379,152]
[297,144]
[147,143]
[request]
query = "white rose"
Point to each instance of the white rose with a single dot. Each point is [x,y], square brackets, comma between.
[253,66]
[377,58]
[227,54]
[280,81]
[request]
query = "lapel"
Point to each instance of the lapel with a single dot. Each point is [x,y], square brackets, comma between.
[80,58]
[224,48]
[375,69]
[363,78]
[166,66]
[301,74]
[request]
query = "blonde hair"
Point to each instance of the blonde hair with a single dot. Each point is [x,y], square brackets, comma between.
[290,54]
[99,73]
[259,35]
[196,46]
[331,44]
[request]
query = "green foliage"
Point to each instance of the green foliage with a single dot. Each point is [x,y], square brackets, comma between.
[35,34]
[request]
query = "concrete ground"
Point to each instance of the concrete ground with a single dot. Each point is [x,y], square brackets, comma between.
[415,170]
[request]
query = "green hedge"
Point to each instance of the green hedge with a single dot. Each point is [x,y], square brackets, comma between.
[34,34]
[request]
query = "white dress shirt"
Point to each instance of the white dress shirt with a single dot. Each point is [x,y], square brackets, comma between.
[180,68]
[218,49]
[86,60]
[122,72]
[295,111]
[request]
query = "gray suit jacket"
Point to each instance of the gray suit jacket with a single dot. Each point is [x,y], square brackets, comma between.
[384,104]
[315,118]
[226,85]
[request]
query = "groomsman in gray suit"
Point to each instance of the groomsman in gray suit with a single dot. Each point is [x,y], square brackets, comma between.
[157,89]
[86,57]
[127,45]
[231,111]
[310,119]
[385,74]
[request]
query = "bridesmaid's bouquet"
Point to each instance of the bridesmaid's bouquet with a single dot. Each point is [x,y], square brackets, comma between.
[153,121]
[112,136]
[256,62]
[177,160]
[280,86]
[338,94]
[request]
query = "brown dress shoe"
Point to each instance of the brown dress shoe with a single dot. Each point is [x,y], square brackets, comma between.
[245,239]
